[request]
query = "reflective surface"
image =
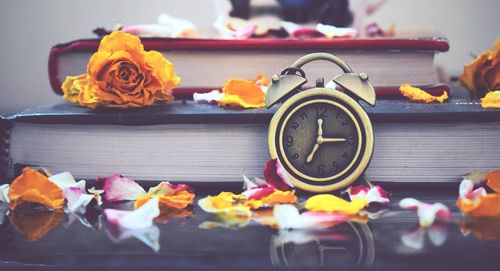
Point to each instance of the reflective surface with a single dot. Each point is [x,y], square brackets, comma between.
[198,241]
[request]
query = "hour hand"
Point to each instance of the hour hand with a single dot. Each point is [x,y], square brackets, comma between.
[311,155]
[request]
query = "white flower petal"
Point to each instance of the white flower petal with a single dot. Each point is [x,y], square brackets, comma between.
[76,200]
[331,31]
[4,193]
[414,239]
[426,212]
[438,234]
[211,97]
[118,188]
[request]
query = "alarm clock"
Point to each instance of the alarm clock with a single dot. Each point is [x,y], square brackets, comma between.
[322,136]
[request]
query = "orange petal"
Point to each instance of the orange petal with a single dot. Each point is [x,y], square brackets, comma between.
[418,95]
[242,93]
[121,41]
[487,205]
[471,71]
[35,225]
[491,100]
[493,180]
[32,186]
[179,201]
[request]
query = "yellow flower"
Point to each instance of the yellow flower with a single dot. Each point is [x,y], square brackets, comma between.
[121,74]
[483,73]
[418,95]
[491,100]
[243,93]
[73,85]
[331,203]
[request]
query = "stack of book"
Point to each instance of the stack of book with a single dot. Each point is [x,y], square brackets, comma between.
[190,142]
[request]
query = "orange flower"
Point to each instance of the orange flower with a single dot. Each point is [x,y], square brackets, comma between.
[483,73]
[121,74]
[491,100]
[243,93]
[484,204]
[331,203]
[32,186]
[418,95]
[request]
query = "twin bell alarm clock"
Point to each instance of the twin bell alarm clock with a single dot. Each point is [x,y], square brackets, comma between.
[322,136]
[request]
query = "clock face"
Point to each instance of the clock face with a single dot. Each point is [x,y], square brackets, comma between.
[320,139]
[323,138]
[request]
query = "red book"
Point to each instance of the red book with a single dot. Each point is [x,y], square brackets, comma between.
[206,64]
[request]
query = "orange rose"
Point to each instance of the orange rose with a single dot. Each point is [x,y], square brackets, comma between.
[122,74]
[483,73]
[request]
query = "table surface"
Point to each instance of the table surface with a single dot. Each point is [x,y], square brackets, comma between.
[393,241]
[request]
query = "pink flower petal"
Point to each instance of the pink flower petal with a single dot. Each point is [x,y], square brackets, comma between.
[117,187]
[76,199]
[466,190]
[374,194]
[275,175]
[139,218]
[426,212]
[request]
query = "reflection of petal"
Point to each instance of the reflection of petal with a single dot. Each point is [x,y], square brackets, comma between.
[288,217]
[138,219]
[149,235]
[3,211]
[117,187]
[35,225]
[484,228]
[438,233]
[426,212]
[414,239]
[4,193]
[168,213]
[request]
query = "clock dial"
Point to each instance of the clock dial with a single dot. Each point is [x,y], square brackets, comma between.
[320,140]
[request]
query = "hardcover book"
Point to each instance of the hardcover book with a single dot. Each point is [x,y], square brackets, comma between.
[190,142]
[205,65]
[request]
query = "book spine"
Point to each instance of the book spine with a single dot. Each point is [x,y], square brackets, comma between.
[5,160]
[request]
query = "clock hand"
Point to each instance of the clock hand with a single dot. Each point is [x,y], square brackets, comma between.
[329,140]
[320,127]
[311,155]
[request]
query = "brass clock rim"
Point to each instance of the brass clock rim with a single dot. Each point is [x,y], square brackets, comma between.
[358,130]
[365,123]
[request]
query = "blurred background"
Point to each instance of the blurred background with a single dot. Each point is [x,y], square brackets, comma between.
[29,28]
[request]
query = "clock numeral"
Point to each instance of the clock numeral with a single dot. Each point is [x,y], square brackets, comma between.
[335,165]
[321,112]
[295,156]
[320,169]
[303,116]
[345,155]
[289,141]
[350,139]
[295,125]
[345,122]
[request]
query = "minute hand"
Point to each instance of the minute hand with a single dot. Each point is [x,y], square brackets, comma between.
[329,140]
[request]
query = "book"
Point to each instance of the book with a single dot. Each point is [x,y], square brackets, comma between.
[206,64]
[190,142]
